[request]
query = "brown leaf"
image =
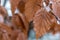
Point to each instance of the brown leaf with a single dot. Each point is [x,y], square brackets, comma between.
[43,21]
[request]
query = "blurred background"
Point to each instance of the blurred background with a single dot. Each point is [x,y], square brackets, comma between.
[48,36]
[6,4]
